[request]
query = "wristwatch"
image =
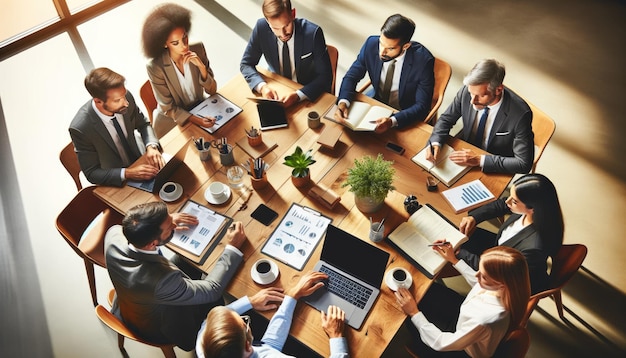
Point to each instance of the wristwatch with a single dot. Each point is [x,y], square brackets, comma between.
[153,146]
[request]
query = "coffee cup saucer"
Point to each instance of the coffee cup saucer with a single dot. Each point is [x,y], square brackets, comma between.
[216,201]
[392,284]
[174,195]
[265,281]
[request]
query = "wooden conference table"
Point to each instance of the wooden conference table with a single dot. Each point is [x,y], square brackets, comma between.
[330,170]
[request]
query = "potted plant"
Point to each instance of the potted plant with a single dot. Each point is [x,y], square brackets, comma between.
[300,160]
[370,180]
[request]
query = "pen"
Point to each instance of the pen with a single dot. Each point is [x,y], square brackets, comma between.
[439,244]
[381,224]
[432,149]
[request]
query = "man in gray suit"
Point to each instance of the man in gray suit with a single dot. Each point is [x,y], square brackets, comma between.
[494,119]
[155,298]
[103,133]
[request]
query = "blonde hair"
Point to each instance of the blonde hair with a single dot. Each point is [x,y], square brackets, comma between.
[508,266]
[223,336]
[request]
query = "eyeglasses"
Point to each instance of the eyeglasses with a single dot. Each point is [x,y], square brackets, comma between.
[246,320]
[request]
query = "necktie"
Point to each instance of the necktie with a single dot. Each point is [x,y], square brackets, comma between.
[122,137]
[480,131]
[286,61]
[384,94]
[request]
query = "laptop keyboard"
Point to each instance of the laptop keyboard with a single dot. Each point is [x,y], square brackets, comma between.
[346,288]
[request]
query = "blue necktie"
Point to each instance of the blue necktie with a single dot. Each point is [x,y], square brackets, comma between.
[480,131]
[286,61]
[125,144]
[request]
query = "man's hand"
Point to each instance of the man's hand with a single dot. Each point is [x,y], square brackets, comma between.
[465,157]
[383,124]
[341,114]
[406,301]
[290,99]
[332,322]
[154,157]
[467,225]
[202,121]
[183,220]
[432,154]
[308,284]
[268,92]
[235,235]
[267,299]
[141,172]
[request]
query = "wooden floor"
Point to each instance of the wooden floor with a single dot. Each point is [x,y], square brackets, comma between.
[567,59]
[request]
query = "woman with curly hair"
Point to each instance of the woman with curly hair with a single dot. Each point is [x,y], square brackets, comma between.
[179,72]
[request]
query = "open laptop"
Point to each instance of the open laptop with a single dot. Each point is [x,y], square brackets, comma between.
[355,273]
[171,164]
[272,115]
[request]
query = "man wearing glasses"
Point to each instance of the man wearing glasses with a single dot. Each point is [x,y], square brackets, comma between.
[226,334]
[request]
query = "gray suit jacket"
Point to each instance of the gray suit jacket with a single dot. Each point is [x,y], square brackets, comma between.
[173,108]
[96,151]
[510,140]
[154,297]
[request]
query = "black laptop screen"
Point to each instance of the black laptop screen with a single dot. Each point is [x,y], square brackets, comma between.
[355,256]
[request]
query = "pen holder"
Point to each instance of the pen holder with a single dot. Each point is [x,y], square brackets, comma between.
[255,141]
[227,158]
[258,184]
[205,154]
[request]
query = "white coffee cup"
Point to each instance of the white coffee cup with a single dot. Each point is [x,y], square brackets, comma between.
[263,268]
[400,277]
[218,190]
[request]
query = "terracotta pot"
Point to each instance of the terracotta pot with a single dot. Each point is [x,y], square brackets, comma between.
[258,184]
[368,205]
[300,182]
[255,141]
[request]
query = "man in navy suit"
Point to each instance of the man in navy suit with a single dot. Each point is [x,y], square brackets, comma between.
[278,37]
[103,133]
[506,131]
[400,70]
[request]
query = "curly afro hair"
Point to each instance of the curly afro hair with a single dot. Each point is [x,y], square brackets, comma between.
[159,24]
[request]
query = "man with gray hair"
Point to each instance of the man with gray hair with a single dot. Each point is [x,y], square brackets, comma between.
[494,119]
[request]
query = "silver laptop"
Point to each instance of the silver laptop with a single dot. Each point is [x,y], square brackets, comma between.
[355,273]
[172,163]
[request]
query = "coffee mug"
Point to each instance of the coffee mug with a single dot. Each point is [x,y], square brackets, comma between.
[217,190]
[263,269]
[169,188]
[399,277]
[313,119]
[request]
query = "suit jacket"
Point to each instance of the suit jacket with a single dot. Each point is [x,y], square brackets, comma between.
[527,241]
[155,298]
[96,151]
[311,59]
[510,140]
[417,80]
[169,94]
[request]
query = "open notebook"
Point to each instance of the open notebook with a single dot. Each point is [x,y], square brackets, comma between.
[447,171]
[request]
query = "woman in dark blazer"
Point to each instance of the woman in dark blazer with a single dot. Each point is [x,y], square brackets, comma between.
[179,72]
[534,227]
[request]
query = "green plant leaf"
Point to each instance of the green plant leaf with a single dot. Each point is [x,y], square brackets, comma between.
[300,161]
[371,177]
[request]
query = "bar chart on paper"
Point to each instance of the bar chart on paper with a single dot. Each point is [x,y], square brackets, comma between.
[467,195]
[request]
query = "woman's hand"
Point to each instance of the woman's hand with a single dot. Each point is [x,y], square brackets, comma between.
[406,301]
[445,249]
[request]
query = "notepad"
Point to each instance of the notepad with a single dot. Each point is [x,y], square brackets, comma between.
[361,116]
[447,171]
[414,236]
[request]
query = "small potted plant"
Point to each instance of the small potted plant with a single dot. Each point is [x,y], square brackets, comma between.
[370,180]
[300,160]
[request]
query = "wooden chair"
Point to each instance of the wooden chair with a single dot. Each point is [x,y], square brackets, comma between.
[564,265]
[443,72]
[83,224]
[334,57]
[70,162]
[543,129]
[514,345]
[147,96]
[123,332]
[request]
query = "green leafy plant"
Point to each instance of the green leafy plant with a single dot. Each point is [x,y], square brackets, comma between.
[371,177]
[300,162]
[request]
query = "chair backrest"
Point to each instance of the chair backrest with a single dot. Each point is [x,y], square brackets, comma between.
[122,330]
[147,96]
[565,264]
[514,345]
[543,129]
[78,216]
[69,159]
[334,57]
[443,72]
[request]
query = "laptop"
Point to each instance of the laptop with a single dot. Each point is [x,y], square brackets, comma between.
[171,164]
[272,115]
[355,273]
